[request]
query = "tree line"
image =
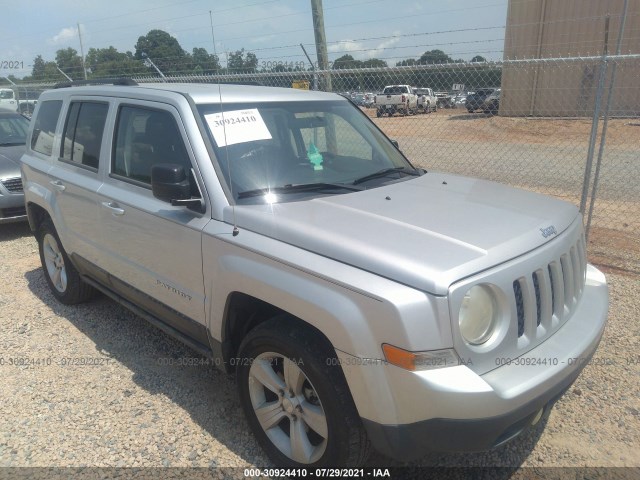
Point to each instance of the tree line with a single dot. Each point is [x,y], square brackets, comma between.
[170,58]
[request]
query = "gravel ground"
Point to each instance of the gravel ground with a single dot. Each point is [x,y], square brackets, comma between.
[131,409]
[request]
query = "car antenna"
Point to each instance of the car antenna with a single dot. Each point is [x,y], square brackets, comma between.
[235,230]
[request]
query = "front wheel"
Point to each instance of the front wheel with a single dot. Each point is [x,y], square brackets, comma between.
[296,398]
[63,279]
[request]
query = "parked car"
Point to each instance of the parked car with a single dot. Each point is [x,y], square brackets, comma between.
[427,100]
[358,99]
[8,101]
[491,104]
[13,136]
[369,99]
[445,100]
[275,232]
[475,100]
[396,98]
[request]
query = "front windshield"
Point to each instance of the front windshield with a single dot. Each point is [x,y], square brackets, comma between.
[279,145]
[13,130]
[6,94]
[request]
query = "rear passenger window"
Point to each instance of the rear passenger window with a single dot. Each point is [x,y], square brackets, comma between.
[145,138]
[44,127]
[83,133]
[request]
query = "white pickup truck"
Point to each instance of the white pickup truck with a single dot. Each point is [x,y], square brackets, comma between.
[427,100]
[396,98]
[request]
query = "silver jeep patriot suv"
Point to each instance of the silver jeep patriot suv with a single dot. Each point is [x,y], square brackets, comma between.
[360,301]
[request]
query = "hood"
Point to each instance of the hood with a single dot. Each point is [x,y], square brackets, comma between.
[427,232]
[10,161]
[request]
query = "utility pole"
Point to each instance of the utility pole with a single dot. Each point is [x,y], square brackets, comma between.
[321,42]
[84,68]
[213,39]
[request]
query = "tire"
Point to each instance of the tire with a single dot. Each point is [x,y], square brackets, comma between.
[470,110]
[313,402]
[63,279]
[378,113]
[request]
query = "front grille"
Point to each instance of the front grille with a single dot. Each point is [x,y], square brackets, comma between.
[551,292]
[13,185]
[13,212]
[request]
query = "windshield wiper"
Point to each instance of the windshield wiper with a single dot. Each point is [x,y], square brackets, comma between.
[299,187]
[11,144]
[384,172]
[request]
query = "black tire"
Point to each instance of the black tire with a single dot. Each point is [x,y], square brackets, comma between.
[268,347]
[470,110]
[67,287]
[378,113]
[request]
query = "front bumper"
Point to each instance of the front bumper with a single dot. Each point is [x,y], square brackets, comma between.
[12,208]
[454,409]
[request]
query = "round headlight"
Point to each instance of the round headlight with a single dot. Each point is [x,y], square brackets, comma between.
[478,314]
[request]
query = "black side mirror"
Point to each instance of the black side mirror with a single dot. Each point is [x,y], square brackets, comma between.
[169,183]
[395,143]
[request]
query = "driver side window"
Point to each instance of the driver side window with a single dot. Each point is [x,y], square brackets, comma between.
[144,138]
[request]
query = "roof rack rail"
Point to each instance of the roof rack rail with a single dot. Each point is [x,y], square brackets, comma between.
[97,81]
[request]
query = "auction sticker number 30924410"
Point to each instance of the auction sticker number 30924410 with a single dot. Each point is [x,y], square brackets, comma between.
[237,126]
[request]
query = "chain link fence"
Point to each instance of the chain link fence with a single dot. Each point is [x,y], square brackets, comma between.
[568,127]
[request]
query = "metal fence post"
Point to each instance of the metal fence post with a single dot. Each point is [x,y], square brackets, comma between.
[596,118]
[605,122]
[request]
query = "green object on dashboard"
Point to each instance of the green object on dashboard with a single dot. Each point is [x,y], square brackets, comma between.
[314,156]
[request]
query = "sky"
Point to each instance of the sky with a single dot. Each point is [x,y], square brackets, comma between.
[273,29]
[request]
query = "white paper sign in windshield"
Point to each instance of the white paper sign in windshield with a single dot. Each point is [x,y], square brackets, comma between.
[237,126]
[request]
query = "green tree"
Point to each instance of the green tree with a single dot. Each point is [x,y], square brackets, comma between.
[434,57]
[109,62]
[478,58]
[239,62]
[39,66]
[164,50]
[204,62]
[70,63]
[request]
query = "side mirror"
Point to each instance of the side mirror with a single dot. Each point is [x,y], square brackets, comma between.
[395,144]
[169,183]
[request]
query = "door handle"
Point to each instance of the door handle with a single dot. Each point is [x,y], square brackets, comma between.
[58,185]
[114,208]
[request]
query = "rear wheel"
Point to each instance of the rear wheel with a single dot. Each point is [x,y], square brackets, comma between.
[296,399]
[63,279]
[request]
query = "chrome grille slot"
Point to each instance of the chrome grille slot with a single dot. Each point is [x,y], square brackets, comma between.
[13,185]
[557,287]
[567,277]
[536,287]
[517,291]
[576,273]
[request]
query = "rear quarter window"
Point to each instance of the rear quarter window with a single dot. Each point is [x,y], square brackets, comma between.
[44,127]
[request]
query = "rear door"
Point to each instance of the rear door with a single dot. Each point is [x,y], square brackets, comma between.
[76,177]
[154,249]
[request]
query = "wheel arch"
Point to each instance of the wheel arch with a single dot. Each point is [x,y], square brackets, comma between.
[243,313]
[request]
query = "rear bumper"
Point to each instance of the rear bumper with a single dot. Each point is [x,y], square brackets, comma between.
[455,409]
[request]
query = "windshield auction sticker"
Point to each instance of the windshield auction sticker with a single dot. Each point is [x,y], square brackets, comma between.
[237,126]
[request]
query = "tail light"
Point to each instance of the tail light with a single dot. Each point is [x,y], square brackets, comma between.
[403,99]
[375,99]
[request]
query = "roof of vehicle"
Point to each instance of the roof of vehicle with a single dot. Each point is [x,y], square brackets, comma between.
[207,93]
